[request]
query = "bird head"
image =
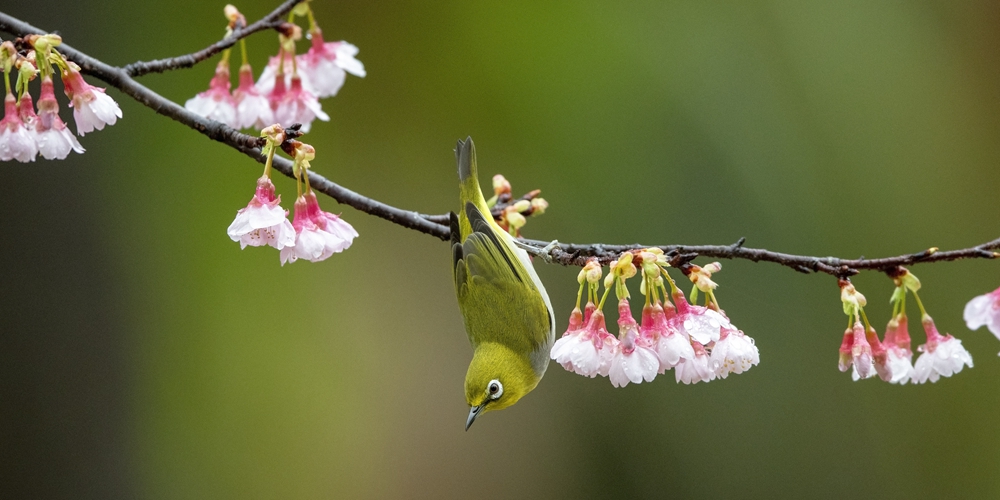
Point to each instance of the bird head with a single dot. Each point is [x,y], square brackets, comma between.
[497,378]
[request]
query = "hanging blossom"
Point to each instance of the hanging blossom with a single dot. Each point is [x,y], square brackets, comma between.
[55,141]
[318,234]
[898,353]
[263,221]
[670,345]
[216,103]
[326,64]
[16,143]
[253,109]
[984,310]
[92,108]
[943,356]
[586,348]
[297,105]
[633,360]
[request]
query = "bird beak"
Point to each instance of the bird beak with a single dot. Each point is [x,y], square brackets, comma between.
[474,412]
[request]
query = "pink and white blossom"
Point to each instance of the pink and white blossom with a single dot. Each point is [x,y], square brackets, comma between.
[253,110]
[216,103]
[327,63]
[268,77]
[899,357]
[311,242]
[263,221]
[632,360]
[564,345]
[670,345]
[984,310]
[700,324]
[54,139]
[943,356]
[297,105]
[861,354]
[92,108]
[734,352]
[586,351]
[696,369]
[16,142]
[343,234]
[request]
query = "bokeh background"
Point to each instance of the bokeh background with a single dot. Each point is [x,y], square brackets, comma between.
[143,355]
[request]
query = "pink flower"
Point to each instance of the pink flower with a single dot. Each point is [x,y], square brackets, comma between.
[562,349]
[253,110]
[216,103]
[26,110]
[700,324]
[92,108]
[734,352]
[263,221]
[587,351]
[311,242]
[670,346]
[342,233]
[326,63]
[984,310]
[861,354]
[268,77]
[845,350]
[697,369]
[297,105]
[942,355]
[631,361]
[54,139]
[16,142]
[899,357]
[880,356]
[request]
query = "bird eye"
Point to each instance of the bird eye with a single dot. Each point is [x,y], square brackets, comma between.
[495,388]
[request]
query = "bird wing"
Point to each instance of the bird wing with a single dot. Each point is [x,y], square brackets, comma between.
[492,280]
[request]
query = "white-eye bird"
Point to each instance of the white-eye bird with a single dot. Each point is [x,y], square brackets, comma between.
[507,313]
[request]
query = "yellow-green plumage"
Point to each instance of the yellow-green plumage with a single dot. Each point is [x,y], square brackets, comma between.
[507,313]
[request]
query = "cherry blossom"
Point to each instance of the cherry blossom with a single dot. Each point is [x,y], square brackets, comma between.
[216,103]
[92,108]
[54,139]
[253,110]
[16,142]
[263,221]
[296,105]
[942,356]
[326,64]
[984,310]
[632,361]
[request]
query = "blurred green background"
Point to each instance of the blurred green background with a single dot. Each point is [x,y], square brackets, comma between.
[143,355]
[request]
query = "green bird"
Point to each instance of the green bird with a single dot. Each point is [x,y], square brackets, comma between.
[507,313]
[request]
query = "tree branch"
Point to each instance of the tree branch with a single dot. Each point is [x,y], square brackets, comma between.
[270,21]
[437,225]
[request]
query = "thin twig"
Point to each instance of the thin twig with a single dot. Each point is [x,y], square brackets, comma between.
[270,21]
[568,254]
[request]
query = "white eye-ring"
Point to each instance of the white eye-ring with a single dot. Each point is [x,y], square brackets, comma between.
[495,389]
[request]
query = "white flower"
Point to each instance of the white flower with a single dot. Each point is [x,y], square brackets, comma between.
[576,354]
[312,243]
[631,361]
[900,363]
[92,108]
[54,139]
[694,370]
[297,105]
[735,353]
[16,142]
[984,310]
[701,324]
[263,221]
[945,359]
[253,110]
[326,64]
[671,349]
[343,234]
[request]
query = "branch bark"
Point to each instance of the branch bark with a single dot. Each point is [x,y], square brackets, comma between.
[437,225]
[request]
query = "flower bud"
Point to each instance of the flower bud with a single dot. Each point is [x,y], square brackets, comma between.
[522,206]
[538,206]
[275,134]
[594,272]
[500,185]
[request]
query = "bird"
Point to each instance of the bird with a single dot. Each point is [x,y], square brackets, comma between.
[508,315]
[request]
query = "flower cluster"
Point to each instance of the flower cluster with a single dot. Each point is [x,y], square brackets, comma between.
[25,133]
[512,214]
[313,234]
[289,88]
[698,342]
[891,358]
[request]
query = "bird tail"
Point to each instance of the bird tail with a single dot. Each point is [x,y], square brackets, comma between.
[468,177]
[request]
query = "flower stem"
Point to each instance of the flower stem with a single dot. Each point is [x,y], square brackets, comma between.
[243,50]
[579,293]
[864,317]
[600,305]
[312,19]
[270,160]
[920,304]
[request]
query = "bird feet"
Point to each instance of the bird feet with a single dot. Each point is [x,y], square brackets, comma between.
[544,253]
